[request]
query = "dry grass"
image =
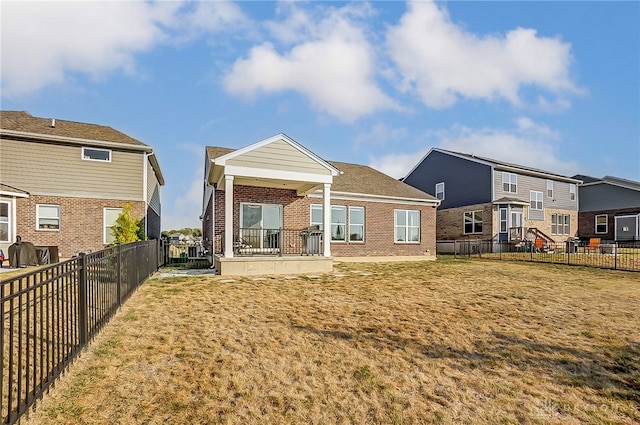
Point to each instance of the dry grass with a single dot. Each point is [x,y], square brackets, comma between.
[399,343]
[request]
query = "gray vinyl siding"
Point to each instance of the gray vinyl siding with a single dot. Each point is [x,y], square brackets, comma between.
[57,169]
[279,156]
[153,190]
[465,182]
[604,196]
[561,199]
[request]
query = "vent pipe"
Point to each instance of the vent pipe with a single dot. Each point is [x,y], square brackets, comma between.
[53,123]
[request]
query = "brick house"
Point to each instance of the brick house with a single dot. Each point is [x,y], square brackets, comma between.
[63,183]
[609,208]
[268,204]
[482,198]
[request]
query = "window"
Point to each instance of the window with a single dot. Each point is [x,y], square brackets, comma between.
[339,222]
[560,224]
[356,224]
[473,222]
[602,223]
[440,190]
[4,222]
[48,217]
[93,154]
[572,192]
[407,226]
[509,182]
[549,188]
[316,216]
[535,200]
[110,217]
[503,220]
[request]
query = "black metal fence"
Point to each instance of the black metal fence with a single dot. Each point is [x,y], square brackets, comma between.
[612,255]
[49,315]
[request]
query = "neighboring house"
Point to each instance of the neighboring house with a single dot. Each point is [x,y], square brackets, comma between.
[277,197]
[609,208]
[63,183]
[488,199]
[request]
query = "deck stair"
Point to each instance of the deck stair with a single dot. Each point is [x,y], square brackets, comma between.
[540,239]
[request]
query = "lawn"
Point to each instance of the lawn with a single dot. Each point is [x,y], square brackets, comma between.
[452,341]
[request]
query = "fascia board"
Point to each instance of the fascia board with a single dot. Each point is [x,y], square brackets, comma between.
[265,173]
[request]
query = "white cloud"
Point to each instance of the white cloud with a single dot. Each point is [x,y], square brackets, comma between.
[332,64]
[380,135]
[185,209]
[397,165]
[528,143]
[442,61]
[44,42]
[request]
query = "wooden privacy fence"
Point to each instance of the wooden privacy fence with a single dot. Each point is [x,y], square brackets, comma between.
[49,315]
[608,255]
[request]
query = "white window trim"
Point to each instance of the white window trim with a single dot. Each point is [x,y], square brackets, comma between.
[473,222]
[38,218]
[440,191]
[536,200]
[606,224]
[406,226]
[509,181]
[560,224]
[549,188]
[364,222]
[104,222]
[8,221]
[345,224]
[82,155]
[572,191]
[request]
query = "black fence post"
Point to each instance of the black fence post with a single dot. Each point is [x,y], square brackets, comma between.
[83,325]
[615,255]
[500,249]
[119,266]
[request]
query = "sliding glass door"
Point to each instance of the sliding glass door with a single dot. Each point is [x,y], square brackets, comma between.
[260,225]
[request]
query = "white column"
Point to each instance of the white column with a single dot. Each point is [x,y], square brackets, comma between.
[228,216]
[326,219]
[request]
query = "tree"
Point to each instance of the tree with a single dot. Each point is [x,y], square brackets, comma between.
[127,228]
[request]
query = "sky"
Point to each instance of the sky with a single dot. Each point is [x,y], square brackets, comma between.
[552,85]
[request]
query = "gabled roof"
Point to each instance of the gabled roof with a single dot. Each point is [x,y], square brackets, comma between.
[24,122]
[358,179]
[500,165]
[23,125]
[277,138]
[611,180]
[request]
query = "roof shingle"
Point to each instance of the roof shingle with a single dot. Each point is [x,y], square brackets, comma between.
[357,179]
[24,122]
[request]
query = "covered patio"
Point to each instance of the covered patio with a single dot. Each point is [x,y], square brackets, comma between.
[249,189]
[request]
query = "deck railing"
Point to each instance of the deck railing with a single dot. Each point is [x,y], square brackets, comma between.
[277,242]
[49,315]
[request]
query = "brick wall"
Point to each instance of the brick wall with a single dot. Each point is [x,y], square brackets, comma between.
[545,226]
[587,223]
[81,222]
[379,221]
[450,223]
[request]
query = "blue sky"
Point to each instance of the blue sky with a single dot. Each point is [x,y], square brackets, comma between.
[553,85]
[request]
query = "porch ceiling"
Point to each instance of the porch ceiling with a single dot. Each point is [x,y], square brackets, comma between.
[301,187]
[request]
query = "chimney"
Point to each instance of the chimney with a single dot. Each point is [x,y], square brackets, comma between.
[53,123]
